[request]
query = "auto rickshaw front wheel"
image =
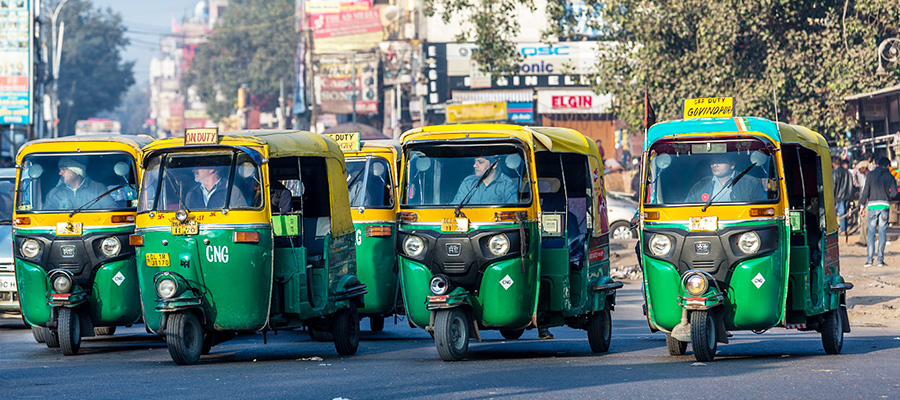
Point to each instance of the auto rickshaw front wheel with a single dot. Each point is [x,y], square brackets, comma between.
[451,333]
[184,337]
[675,346]
[38,333]
[599,330]
[833,331]
[345,329]
[69,331]
[703,335]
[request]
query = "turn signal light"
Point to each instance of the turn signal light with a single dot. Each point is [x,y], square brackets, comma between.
[762,212]
[651,215]
[121,219]
[246,237]
[381,230]
[504,216]
[23,220]
[408,217]
[136,240]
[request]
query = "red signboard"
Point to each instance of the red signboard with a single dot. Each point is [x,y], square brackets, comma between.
[571,102]
[345,23]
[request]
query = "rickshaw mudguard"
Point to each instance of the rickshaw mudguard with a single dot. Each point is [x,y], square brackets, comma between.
[376,266]
[456,298]
[115,297]
[507,295]
[755,299]
[32,284]
[663,286]
[349,292]
[414,278]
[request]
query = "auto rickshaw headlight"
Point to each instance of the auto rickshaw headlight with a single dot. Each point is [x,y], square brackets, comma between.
[181,215]
[749,242]
[696,284]
[499,245]
[30,248]
[439,285]
[110,246]
[62,283]
[166,288]
[413,246]
[660,245]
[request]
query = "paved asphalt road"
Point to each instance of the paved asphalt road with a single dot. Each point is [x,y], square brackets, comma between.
[402,363]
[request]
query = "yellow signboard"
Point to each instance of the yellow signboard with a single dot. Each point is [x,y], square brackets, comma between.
[708,108]
[494,111]
[201,136]
[347,141]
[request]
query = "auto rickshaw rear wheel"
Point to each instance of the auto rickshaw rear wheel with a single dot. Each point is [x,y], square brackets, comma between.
[376,323]
[675,346]
[345,329]
[599,330]
[51,337]
[703,336]
[833,332]
[105,330]
[38,333]
[184,337]
[512,334]
[69,331]
[451,333]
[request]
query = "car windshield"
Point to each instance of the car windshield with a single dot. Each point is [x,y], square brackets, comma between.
[695,172]
[466,175]
[83,181]
[200,181]
[376,180]
[7,188]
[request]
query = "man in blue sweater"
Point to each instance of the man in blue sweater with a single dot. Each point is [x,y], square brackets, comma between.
[875,202]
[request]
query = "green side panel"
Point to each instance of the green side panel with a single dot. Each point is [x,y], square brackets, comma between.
[554,295]
[663,286]
[115,298]
[414,278]
[509,307]
[376,265]
[31,281]
[290,277]
[751,307]
[341,261]
[286,225]
[799,279]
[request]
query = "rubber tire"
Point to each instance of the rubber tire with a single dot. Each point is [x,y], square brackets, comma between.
[620,224]
[675,346]
[703,336]
[319,335]
[512,334]
[69,331]
[345,329]
[376,324]
[599,330]
[451,333]
[207,343]
[51,338]
[105,331]
[833,332]
[38,333]
[184,337]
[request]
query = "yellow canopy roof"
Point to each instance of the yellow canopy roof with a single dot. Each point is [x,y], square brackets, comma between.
[557,140]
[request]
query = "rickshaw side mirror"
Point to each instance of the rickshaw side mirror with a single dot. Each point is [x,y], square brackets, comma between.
[121,169]
[35,171]
[758,158]
[423,163]
[663,161]
[513,161]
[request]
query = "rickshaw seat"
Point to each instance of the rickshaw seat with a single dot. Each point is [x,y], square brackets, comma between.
[576,226]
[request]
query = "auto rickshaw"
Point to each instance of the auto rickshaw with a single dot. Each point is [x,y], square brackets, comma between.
[372,167]
[242,232]
[739,233]
[75,207]
[519,244]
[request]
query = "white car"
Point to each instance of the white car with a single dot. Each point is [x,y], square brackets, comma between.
[620,210]
[9,298]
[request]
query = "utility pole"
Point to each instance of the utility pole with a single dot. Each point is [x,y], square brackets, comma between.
[57,54]
[353,83]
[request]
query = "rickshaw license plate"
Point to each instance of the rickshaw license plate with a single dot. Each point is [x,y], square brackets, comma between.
[190,227]
[704,224]
[68,228]
[455,225]
[157,259]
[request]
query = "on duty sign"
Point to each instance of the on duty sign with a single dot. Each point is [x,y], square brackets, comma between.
[708,107]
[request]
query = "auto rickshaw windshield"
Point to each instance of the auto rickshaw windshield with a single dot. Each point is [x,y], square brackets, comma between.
[733,171]
[67,182]
[201,181]
[466,174]
[376,179]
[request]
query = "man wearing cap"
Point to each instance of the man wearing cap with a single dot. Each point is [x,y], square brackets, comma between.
[211,190]
[875,202]
[496,188]
[76,189]
[716,186]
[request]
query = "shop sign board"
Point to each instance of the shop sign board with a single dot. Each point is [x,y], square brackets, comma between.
[478,112]
[576,101]
[335,85]
[520,111]
[16,63]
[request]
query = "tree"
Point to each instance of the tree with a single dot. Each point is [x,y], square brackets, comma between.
[92,75]
[253,45]
[133,110]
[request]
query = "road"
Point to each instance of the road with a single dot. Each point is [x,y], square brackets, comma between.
[401,363]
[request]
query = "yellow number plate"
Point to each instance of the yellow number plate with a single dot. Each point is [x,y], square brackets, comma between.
[704,224]
[187,228]
[455,225]
[68,228]
[157,259]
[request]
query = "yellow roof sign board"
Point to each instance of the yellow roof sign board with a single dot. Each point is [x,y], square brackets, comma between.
[347,141]
[494,111]
[708,107]
[201,136]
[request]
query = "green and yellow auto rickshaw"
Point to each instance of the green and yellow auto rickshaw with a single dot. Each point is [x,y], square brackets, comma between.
[739,233]
[503,227]
[75,208]
[246,231]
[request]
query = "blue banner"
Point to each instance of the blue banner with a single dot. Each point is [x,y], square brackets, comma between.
[15,62]
[521,112]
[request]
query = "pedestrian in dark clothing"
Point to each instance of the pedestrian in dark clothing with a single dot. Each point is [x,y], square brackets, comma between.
[875,203]
[843,190]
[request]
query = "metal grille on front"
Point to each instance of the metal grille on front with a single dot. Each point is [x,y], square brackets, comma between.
[454,267]
[704,264]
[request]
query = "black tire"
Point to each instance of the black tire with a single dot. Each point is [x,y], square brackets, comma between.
[451,334]
[599,330]
[345,329]
[621,230]
[208,341]
[512,334]
[703,336]
[320,335]
[376,324]
[38,333]
[69,331]
[105,331]
[675,346]
[184,337]
[833,332]
[51,338]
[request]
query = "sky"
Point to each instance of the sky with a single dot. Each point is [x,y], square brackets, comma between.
[147,22]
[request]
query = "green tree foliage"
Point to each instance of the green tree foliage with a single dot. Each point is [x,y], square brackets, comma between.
[253,44]
[92,75]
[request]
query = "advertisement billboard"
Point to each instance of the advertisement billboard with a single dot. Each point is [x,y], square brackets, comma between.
[16,63]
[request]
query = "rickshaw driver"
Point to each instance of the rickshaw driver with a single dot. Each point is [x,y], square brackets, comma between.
[210,191]
[496,188]
[717,186]
[76,189]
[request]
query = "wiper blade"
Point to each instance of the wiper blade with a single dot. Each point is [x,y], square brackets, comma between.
[729,185]
[96,199]
[468,195]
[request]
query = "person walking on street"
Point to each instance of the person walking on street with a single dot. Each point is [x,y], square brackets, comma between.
[859,180]
[875,204]
[843,191]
